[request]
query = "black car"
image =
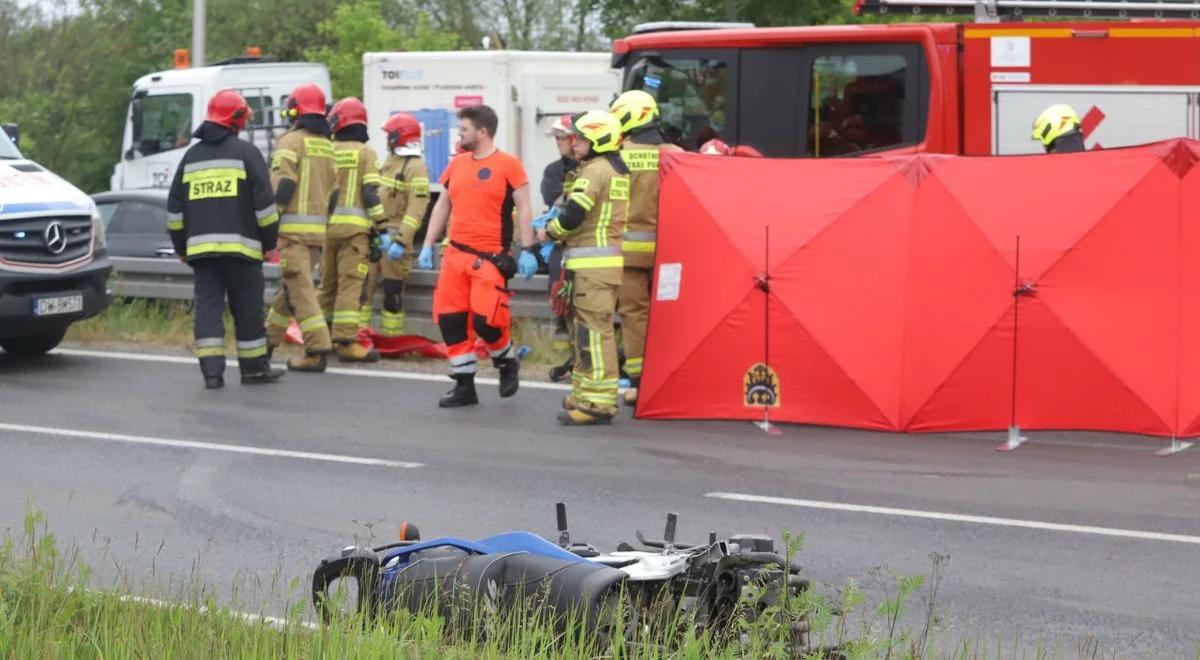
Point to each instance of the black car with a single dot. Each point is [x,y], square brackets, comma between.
[135,222]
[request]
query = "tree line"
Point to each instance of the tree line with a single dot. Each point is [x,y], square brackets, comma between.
[67,66]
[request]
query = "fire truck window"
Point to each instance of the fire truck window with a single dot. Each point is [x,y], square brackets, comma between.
[691,95]
[162,123]
[857,104]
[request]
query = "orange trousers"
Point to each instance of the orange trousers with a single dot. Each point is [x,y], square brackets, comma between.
[471,300]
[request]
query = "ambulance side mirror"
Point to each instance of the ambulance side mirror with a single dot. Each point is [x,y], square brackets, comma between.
[14,134]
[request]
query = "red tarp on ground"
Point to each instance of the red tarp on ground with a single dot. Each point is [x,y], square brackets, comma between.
[891,285]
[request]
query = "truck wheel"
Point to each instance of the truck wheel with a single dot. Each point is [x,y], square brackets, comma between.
[32,346]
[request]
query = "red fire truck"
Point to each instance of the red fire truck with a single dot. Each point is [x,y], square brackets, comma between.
[959,88]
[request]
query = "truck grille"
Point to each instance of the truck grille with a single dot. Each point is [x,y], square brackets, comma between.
[24,240]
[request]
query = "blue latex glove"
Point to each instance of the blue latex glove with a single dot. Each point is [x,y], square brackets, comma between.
[385,240]
[395,250]
[546,250]
[541,221]
[425,259]
[527,264]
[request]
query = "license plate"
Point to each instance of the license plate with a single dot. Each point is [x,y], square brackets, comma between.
[61,305]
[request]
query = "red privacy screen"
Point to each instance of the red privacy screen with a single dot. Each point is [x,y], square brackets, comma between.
[884,293]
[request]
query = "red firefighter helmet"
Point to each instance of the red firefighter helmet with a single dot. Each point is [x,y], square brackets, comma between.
[228,109]
[561,127]
[347,112]
[401,128]
[307,99]
[716,147]
[747,150]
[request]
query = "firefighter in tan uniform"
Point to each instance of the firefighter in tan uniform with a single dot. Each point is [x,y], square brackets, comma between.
[347,242]
[302,173]
[1058,129]
[590,227]
[643,141]
[404,183]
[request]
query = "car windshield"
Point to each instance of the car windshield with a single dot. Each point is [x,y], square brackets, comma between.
[7,148]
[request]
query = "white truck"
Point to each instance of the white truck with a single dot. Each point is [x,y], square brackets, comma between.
[166,106]
[528,90]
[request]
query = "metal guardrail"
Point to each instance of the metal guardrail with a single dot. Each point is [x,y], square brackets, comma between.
[168,279]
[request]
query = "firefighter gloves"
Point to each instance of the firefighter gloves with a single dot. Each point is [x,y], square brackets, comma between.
[527,264]
[395,249]
[540,221]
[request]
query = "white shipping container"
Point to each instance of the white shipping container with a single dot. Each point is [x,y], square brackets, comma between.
[528,90]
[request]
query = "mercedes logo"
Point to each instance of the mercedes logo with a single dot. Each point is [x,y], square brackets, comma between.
[55,237]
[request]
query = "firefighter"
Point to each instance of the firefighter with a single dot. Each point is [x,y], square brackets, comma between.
[556,173]
[1057,128]
[404,180]
[347,241]
[591,227]
[643,141]
[715,147]
[482,187]
[222,217]
[302,171]
[556,178]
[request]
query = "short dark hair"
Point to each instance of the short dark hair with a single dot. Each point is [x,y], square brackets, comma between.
[482,116]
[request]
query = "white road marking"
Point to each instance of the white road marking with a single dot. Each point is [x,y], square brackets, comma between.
[206,446]
[957,517]
[248,617]
[367,373]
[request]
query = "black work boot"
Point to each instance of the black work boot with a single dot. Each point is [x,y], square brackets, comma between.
[311,363]
[214,382]
[510,380]
[355,352]
[562,371]
[268,375]
[577,417]
[462,394]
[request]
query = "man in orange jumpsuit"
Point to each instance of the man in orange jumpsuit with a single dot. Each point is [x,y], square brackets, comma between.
[482,187]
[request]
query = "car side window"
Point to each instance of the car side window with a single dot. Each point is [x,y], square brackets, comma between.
[141,218]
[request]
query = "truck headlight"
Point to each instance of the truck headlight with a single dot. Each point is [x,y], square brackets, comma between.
[98,240]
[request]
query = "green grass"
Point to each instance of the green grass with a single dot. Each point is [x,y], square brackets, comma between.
[538,335]
[134,320]
[49,609]
[168,323]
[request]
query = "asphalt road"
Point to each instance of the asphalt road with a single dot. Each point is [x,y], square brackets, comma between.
[1072,536]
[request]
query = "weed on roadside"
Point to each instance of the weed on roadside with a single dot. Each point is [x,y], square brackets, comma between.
[49,608]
